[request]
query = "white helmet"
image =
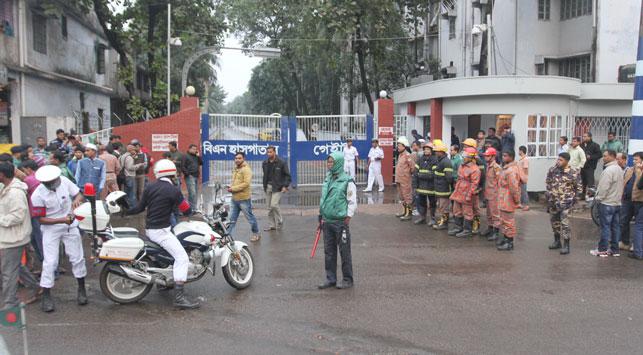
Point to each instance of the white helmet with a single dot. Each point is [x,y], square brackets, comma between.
[403,140]
[164,167]
[48,173]
[114,202]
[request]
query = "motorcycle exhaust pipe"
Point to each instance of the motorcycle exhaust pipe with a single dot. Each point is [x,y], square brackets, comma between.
[136,275]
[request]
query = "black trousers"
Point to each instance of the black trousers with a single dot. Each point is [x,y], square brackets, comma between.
[587,175]
[334,239]
[422,205]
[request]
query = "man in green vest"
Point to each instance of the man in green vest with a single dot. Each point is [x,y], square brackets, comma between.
[337,205]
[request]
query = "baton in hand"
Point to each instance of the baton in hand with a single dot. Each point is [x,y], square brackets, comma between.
[317,236]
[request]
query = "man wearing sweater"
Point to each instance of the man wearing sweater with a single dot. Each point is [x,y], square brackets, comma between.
[241,195]
[577,156]
[609,193]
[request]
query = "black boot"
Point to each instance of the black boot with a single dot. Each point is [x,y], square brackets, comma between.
[47,303]
[443,223]
[494,234]
[181,301]
[556,243]
[457,226]
[398,215]
[507,244]
[487,231]
[565,249]
[500,239]
[81,299]
[466,230]
[421,220]
[408,215]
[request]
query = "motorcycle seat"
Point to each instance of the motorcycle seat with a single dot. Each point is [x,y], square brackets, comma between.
[125,232]
[151,244]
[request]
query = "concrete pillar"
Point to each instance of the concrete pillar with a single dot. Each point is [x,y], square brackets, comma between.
[436,119]
[188,102]
[384,117]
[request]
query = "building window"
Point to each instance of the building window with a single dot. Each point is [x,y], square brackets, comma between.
[544,9]
[6,17]
[39,30]
[542,135]
[63,26]
[575,8]
[576,67]
[100,58]
[451,27]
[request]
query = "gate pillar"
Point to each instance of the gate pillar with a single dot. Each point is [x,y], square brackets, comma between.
[384,117]
[436,119]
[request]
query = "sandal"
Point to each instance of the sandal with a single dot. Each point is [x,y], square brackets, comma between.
[255,238]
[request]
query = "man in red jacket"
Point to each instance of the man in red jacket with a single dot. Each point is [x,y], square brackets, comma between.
[508,199]
[465,195]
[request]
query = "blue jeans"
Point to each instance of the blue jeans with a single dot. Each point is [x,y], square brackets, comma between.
[627,212]
[190,182]
[130,190]
[244,206]
[610,217]
[524,196]
[637,241]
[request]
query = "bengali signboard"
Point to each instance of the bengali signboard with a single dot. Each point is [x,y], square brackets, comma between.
[160,141]
[254,150]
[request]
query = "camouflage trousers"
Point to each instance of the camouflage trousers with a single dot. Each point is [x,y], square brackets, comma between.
[560,222]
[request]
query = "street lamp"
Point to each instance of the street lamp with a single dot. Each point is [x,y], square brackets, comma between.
[171,41]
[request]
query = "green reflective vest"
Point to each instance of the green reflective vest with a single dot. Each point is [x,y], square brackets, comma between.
[334,204]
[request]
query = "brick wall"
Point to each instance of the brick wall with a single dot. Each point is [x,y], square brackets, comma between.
[185,123]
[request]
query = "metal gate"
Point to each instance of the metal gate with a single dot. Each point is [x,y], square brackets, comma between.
[303,141]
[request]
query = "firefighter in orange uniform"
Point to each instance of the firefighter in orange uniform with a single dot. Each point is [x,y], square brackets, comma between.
[465,195]
[508,199]
[403,176]
[491,195]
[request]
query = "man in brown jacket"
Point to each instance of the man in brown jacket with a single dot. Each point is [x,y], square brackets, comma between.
[403,173]
[241,197]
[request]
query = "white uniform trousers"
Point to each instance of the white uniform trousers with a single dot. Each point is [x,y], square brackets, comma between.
[52,235]
[168,241]
[349,168]
[375,172]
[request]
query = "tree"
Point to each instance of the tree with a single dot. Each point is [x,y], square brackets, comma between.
[239,105]
[216,97]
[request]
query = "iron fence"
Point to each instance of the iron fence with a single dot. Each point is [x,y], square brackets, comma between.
[231,127]
[601,126]
[331,127]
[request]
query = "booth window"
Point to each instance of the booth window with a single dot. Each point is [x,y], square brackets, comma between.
[543,132]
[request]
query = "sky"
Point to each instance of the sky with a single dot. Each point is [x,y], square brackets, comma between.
[235,69]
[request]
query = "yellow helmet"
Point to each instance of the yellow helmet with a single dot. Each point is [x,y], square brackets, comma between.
[437,142]
[470,142]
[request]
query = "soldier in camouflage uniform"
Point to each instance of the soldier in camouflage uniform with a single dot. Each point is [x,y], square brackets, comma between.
[564,185]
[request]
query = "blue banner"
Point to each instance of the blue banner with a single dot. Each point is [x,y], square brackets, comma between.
[254,150]
[320,150]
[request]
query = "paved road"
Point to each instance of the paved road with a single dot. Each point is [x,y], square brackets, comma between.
[417,291]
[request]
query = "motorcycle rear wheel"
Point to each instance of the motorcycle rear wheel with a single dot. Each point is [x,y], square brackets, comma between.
[232,274]
[120,289]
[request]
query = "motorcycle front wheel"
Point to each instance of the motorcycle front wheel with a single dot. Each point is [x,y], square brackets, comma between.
[120,289]
[239,270]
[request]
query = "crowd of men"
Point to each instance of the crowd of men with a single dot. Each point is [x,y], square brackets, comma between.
[34,212]
[440,187]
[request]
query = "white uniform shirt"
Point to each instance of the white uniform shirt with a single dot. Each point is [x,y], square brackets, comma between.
[350,153]
[56,204]
[351,197]
[375,153]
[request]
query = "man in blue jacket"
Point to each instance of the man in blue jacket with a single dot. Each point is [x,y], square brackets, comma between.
[90,169]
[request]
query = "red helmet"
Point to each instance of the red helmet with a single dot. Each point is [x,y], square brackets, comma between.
[470,151]
[491,151]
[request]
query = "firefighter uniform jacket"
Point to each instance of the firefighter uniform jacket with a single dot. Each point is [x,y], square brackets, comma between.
[442,177]
[509,187]
[423,179]
[491,181]
[467,186]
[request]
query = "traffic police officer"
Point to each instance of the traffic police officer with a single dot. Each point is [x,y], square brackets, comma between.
[375,156]
[52,202]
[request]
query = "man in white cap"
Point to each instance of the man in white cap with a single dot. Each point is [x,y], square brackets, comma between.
[53,202]
[375,156]
[91,170]
[351,156]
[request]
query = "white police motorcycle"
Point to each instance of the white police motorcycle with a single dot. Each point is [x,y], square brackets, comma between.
[133,265]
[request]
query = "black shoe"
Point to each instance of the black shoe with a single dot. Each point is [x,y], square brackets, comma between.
[420,221]
[181,301]
[47,303]
[633,256]
[326,285]
[344,285]
[565,249]
[81,299]
[493,235]
[457,227]
[487,232]
[466,230]
[500,239]
[556,244]
[507,244]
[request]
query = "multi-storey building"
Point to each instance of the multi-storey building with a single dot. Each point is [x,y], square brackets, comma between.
[545,67]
